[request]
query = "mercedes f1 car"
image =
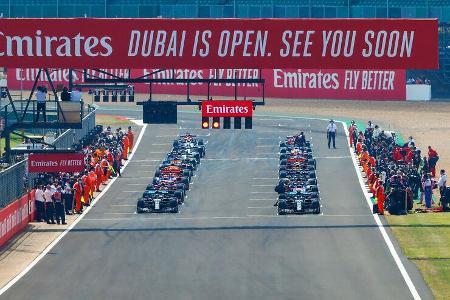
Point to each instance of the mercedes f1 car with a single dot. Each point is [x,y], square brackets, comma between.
[298,202]
[157,201]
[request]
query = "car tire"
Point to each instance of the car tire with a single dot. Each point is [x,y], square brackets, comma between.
[179,195]
[312,181]
[185,181]
[140,205]
[186,173]
[313,188]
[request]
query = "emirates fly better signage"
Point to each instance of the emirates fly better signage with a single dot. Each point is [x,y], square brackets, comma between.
[55,162]
[227,108]
[279,83]
[220,43]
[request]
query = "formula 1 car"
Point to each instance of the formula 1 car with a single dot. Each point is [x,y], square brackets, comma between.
[289,185]
[290,141]
[298,202]
[176,190]
[190,143]
[184,164]
[178,172]
[157,202]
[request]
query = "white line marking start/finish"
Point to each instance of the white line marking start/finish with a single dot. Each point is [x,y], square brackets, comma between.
[59,238]
[386,237]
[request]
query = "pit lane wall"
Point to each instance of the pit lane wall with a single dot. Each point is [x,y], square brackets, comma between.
[280,83]
[15,217]
[418,92]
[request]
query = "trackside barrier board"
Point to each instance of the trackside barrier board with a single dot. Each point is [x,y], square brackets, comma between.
[55,162]
[279,83]
[220,43]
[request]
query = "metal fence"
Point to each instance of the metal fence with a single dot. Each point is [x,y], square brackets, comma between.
[226,9]
[14,182]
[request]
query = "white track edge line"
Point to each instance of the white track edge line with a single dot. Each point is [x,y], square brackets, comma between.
[386,237]
[59,238]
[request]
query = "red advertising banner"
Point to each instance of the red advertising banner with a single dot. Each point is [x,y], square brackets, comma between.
[220,43]
[55,162]
[279,83]
[15,217]
[227,108]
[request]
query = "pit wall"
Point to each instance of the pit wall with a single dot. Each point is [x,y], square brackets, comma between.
[418,92]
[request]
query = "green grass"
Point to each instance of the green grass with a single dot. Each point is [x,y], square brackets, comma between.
[14,141]
[112,120]
[362,126]
[425,239]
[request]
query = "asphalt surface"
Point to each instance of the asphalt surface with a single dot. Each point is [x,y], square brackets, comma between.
[227,241]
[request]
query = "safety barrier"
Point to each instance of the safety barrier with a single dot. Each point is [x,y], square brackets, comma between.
[418,92]
[16,216]
[14,181]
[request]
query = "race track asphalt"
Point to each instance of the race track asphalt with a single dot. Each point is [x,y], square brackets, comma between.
[227,241]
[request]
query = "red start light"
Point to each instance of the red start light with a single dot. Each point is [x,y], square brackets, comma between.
[216,125]
[205,125]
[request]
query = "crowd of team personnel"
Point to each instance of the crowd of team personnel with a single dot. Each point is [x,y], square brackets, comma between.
[60,194]
[391,167]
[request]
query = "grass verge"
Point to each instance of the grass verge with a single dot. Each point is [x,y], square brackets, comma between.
[425,240]
[14,141]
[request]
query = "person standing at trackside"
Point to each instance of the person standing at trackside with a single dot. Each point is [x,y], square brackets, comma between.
[380,197]
[433,158]
[331,134]
[130,134]
[39,202]
[300,140]
[78,189]
[40,102]
[116,162]
[49,208]
[352,133]
[442,183]
[76,95]
[68,198]
[428,191]
[65,95]
[59,207]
